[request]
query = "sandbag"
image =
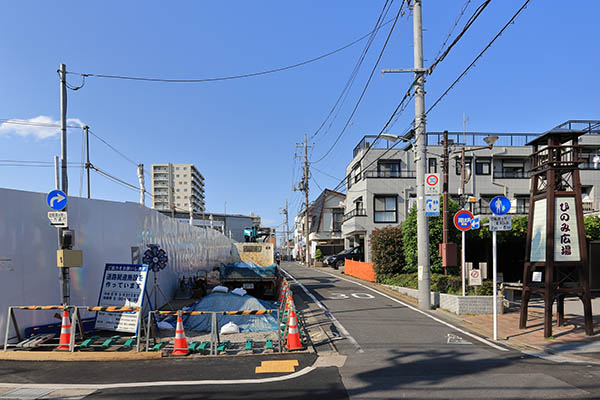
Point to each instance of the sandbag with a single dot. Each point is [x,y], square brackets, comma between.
[229,328]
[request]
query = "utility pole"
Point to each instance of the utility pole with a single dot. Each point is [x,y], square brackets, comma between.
[421,147]
[62,72]
[421,140]
[446,216]
[140,174]
[304,188]
[87,157]
[56,174]
[287,229]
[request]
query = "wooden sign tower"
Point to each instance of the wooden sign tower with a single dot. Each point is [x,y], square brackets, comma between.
[556,251]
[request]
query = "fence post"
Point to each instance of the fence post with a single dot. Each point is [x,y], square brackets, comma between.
[9,317]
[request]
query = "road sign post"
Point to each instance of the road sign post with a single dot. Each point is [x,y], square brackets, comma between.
[462,221]
[499,206]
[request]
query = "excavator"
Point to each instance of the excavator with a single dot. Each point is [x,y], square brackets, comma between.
[255,233]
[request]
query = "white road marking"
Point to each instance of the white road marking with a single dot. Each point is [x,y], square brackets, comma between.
[337,323]
[303,371]
[480,339]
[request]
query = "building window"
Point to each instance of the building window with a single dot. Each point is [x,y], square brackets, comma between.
[178,190]
[185,175]
[386,208]
[513,169]
[177,176]
[177,168]
[388,169]
[185,190]
[338,218]
[356,173]
[482,167]
[432,162]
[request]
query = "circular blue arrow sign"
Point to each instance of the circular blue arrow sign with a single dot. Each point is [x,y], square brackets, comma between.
[463,219]
[57,200]
[500,205]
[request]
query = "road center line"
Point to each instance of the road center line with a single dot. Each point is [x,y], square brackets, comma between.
[334,320]
[480,339]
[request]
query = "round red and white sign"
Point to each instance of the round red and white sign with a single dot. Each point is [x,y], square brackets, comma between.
[432,180]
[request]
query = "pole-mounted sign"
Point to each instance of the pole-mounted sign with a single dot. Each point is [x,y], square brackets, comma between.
[500,205]
[463,219]
[432,184]
[57,200]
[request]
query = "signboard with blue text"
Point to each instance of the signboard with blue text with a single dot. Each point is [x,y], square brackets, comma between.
[432,206]
[123,285]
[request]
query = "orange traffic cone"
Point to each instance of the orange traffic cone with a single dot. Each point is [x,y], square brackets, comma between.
[180,347]
[65,332]
[293,335]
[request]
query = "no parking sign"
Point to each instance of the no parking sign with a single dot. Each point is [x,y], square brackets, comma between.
[462,220]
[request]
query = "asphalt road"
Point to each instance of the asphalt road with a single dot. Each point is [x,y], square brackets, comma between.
[396,352]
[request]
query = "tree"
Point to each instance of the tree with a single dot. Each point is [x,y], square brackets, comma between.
[436,228]
[387,251]
[592,227]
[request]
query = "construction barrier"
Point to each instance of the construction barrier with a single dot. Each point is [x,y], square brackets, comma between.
[68,329]
[360,270]
[214,346]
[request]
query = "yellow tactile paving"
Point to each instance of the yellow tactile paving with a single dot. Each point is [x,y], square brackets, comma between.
[277,366]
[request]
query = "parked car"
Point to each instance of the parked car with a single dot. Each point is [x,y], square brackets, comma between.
[336,261]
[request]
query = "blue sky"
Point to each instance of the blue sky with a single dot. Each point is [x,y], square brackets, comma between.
[242,134]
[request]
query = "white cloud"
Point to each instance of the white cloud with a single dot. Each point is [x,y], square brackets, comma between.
[41,127]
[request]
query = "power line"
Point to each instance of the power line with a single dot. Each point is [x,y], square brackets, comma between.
[120,181]
[325,173]
[354,74]
[115,150]
[510,21]
[225,78]
[366,86]
[456,21]
[469,23]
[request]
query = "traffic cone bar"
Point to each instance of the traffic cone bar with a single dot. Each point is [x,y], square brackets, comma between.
[180,346]
[65,332]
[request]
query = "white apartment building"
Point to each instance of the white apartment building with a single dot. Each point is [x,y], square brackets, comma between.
[381,179]
[176,187]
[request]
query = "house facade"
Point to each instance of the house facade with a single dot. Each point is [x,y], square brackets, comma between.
[381,178]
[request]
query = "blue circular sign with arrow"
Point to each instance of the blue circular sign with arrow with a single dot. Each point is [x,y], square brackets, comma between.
[57,200]
[500,205]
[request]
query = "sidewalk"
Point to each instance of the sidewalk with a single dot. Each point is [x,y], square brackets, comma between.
[568,340]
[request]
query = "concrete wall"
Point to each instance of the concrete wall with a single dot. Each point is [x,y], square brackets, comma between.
[459,305]
[105,231]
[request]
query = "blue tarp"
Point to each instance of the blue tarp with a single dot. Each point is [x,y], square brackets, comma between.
[230,302]
[247,270]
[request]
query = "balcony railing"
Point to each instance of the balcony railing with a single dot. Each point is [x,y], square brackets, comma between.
[357,212]
[390,174]
[512,174]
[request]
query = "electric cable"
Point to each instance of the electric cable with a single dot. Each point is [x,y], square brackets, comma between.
[225,78]
[354,74]
[365,88]
[456,21]
[468,24]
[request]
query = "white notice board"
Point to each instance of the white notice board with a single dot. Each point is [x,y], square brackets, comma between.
[123,285]
[566,235]
[538,232]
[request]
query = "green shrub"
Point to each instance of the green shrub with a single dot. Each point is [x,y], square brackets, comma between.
[387,251]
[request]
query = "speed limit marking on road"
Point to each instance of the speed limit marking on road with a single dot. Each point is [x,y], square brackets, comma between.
[432,184]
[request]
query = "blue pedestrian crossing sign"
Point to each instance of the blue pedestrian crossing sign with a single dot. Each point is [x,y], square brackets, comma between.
[500,205]
[57,200]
